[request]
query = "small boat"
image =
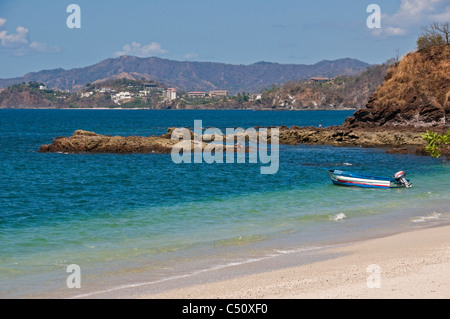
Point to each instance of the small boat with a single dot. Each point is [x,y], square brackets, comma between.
[339,177]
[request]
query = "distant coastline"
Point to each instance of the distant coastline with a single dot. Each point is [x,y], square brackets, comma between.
[332,88]
[204,109]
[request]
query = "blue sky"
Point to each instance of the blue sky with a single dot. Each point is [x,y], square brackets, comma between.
[34,34]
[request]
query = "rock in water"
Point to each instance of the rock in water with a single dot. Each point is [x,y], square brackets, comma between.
[90,142]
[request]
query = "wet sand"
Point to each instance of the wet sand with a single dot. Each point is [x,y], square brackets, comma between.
[414,264]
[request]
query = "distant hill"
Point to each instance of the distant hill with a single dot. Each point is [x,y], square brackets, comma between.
[103,94]
[341,92]
[189,76]
[345,91]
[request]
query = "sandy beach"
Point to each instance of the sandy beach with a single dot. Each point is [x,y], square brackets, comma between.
[414,264]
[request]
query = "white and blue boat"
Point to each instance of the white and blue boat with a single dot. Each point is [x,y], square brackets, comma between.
[339,177]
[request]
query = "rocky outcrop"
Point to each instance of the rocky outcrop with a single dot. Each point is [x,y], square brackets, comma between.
[396,140]
[404,141]
[89,142]
[416,92]
[339,136]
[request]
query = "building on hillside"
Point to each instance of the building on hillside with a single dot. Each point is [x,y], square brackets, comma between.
[256,97]
[87,94]
[122,97]
[105,90]
[321,80]
[218,93]
[197,94]
[145,92]
[151,86]
[170,93]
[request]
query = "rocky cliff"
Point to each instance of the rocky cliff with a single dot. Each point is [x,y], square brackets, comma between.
[415,93]
[22,98]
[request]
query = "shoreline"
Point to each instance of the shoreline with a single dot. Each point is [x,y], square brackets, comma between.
[182,109]
[412,264]
[330,268]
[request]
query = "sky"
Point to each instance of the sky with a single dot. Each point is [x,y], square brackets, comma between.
[35,35]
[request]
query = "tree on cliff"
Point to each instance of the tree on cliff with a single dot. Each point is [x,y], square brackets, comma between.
[434,34]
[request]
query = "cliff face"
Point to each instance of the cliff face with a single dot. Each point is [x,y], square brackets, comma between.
[416,92]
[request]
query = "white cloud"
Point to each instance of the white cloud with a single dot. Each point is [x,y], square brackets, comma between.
[19,44]
[393,31]
[443,16]
[412,13]
[415,9]
[190,56]
[15,39]
[44,47]
[136,49]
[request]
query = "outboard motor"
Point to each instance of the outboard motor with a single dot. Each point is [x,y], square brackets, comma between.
[400,177]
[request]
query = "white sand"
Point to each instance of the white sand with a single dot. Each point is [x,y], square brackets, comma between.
[413,265]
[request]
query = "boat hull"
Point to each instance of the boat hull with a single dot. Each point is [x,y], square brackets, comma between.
[353,179]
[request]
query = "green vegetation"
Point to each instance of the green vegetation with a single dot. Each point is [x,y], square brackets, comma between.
[241,98]
[351,91]
[435,142]
[434,34]
[32,85]
[133,86]
[196,101]
[136,103]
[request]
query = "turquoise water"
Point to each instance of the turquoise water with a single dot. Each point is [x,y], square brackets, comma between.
[141,218]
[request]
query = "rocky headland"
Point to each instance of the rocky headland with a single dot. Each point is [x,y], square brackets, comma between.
[414,97]
[415,94]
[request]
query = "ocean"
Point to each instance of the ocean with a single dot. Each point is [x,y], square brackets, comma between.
[135,220]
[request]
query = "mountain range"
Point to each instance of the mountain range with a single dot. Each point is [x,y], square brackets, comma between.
[190,76]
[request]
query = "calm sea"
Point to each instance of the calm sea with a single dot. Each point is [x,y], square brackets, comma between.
[137,219]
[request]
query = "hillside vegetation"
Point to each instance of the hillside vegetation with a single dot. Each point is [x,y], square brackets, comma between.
[95,95]
[345,91]
[416,92]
